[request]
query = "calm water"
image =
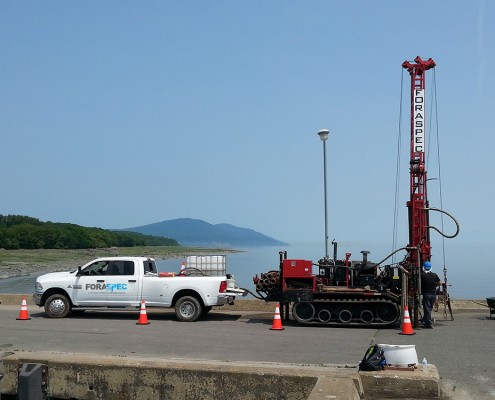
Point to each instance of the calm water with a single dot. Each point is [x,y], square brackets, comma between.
[469,280]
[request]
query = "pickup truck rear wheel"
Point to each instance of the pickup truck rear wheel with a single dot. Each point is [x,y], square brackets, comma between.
[188,309]
[57,306]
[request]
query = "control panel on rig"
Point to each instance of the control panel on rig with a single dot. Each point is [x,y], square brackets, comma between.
[297,274]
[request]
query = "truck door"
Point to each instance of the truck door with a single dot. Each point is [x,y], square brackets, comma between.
[122,283]
[89,288]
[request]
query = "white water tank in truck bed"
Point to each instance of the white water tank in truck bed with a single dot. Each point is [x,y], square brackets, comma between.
[212,265]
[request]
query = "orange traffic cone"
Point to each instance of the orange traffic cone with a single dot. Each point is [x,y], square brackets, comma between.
[143,317]
[277,322]
[182,268]
[406,325]
[23,315]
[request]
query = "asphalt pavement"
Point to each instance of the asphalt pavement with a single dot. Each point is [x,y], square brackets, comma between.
[461,349]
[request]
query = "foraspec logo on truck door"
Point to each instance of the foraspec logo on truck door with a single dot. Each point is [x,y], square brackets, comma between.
[109,287]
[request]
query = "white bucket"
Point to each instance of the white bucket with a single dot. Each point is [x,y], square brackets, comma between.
[400,355]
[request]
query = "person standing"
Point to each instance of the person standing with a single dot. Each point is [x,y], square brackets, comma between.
[429,283]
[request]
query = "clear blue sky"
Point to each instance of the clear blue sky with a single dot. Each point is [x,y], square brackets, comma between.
[124,113]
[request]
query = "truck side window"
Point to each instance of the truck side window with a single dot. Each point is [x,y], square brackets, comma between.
[97,268]
[128,267]
[149,267]
[121,268]
[116,268]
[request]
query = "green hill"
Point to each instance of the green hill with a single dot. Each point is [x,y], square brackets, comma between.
[21,232]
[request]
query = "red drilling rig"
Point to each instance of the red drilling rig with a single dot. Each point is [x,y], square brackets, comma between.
[348,292]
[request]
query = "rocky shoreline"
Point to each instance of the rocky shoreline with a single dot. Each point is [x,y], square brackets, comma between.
[15,263]
[13,270]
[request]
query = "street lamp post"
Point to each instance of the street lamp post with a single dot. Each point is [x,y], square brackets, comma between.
[323,134]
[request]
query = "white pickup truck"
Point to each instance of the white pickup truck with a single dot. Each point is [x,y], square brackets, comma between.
[123,282]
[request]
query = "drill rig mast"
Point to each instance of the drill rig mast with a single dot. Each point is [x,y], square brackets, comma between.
[419,236]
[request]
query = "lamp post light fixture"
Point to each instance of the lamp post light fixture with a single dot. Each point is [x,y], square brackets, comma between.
[323,134]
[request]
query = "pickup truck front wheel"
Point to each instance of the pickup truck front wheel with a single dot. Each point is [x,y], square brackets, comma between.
[188,309]
[57,306]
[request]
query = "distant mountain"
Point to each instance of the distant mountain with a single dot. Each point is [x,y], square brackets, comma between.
[196,232]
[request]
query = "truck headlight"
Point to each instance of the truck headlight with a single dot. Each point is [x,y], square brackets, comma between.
[38,286]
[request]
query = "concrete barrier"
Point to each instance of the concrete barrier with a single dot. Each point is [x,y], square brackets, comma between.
[88,377]
[393,384]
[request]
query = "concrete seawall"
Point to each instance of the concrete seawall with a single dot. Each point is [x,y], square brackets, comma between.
[87,377]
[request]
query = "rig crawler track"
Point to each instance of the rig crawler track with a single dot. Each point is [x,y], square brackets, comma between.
[347,312]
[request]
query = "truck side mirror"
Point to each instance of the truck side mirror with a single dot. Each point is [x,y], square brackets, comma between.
[79,273]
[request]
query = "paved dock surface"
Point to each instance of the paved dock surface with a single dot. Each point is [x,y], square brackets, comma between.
[461,349]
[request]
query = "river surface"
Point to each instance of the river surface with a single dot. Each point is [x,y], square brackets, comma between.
[469,280]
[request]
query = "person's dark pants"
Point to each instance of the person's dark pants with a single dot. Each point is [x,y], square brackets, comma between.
[428,302]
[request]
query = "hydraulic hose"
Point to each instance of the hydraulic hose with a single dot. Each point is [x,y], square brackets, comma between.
[184,271]
[258,296]
[438,230]
[391,254]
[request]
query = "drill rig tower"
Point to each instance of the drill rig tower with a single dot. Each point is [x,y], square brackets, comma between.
[419,236]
